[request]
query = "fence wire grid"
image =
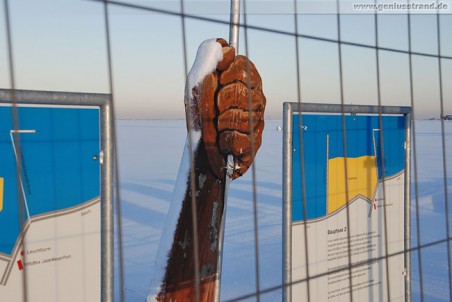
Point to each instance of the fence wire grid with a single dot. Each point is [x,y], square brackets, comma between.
[140,53]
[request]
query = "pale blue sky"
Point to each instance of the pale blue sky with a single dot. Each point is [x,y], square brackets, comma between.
[60,45]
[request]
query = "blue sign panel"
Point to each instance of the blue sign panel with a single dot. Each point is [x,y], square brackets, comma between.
[58,150]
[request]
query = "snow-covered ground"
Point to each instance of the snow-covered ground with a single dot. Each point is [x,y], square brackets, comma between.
[431,187]
[150,153]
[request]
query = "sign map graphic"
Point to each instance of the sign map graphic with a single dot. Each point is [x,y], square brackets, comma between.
[49,212]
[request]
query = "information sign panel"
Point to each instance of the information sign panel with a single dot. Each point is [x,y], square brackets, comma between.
[346,199]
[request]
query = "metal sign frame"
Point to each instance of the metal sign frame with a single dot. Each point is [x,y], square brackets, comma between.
[288,110]
[103,102]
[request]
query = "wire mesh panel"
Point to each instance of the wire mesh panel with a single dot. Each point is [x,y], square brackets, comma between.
[336,52]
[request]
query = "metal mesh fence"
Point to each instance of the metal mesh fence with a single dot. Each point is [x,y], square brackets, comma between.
[330,52]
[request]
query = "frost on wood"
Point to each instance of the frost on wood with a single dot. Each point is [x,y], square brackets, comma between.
[207,57]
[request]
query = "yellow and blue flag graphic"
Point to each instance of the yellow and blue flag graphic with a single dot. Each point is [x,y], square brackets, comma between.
[340,163]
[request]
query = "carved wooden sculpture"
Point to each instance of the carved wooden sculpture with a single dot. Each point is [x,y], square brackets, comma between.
[219,109]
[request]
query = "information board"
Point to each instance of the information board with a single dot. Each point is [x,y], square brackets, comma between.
[50,218]
[347,207]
